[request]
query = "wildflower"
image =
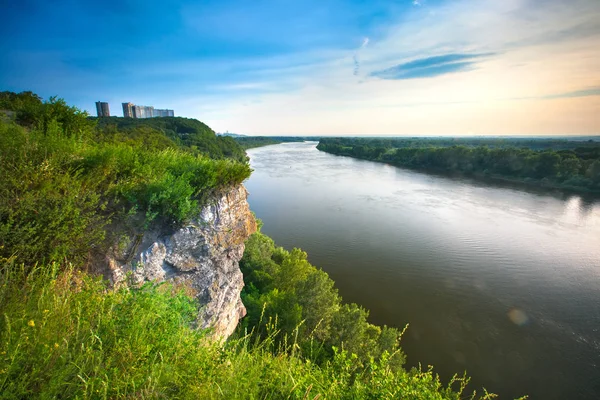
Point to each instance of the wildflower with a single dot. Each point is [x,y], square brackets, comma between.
[56,345]
[31,323]
[46,311]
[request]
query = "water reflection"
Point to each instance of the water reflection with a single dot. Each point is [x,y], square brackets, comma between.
[497,280]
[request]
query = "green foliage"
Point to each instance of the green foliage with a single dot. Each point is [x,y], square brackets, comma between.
[60,187]
[28,106]
[66,335]
[552,163]
[175,132]
[47,210]
[283,288]
[54,116]
[166,184]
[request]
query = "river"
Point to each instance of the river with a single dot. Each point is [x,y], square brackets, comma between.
[501,282]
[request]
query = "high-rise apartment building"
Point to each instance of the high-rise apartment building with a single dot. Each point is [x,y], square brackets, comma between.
[143,111]
[128,110]
[102,109]
[163,113]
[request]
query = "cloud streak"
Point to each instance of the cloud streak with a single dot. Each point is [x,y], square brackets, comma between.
[430,67]
[356,57]
[587,92]
[595,91]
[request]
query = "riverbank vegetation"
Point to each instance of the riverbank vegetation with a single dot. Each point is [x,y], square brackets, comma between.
[553,163]
[66,334]
[284,289]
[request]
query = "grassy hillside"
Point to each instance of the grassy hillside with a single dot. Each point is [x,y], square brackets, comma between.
[63,179]
[65,334]
[186,132]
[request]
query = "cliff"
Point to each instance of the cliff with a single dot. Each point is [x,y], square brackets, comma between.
[202,256]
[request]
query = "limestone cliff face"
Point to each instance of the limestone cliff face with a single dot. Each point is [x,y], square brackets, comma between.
[202,255]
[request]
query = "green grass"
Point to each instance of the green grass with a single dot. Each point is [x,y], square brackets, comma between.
[175,132]
[59,193]
[64,334]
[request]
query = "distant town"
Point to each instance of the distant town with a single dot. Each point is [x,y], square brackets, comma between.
[131,110]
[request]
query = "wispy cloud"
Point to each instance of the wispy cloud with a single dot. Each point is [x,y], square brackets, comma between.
[356,57]
[430,67]
[587,92]
[595,91]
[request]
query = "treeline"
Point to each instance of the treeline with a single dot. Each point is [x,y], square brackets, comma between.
[249,142]
[574,165]
[69,189]
[558,143]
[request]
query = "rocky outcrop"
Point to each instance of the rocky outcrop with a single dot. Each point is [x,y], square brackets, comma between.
[202,256]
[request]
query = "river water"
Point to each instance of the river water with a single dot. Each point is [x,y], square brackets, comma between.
[501,282]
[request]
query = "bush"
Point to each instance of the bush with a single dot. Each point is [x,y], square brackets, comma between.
[284,289]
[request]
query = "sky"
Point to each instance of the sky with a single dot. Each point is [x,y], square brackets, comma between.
[318,67]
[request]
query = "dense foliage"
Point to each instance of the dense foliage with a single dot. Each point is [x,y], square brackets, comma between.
[189,133]
[565,164]
[61,185]
[533,143]
[283,286]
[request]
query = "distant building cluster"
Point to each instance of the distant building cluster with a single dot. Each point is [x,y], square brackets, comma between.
[131,110]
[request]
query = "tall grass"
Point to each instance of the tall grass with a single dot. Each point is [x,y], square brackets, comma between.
[58,193]
[64,334]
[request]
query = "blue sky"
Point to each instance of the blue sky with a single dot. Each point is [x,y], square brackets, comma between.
[424,67]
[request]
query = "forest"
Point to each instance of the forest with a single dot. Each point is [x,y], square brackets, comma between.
[553,163]
[66,334]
